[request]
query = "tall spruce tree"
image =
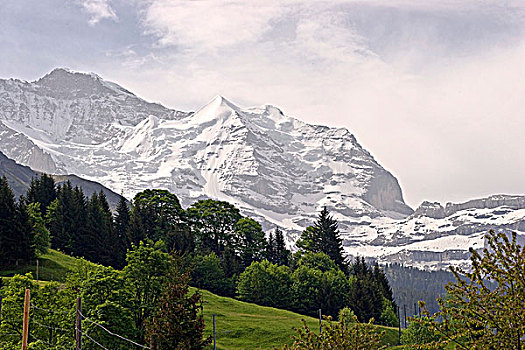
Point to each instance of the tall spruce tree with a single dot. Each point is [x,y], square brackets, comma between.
[16,240]
[123,220]
[282,253]
[276,251]
[42,190]
[7,226]
[324,237]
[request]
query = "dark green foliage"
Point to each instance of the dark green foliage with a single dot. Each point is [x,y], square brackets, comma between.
[122,225]
[276,251]
[16,235]
[207,273]
[231,263]
[323,237]
[157,215]
[250,240]
[177,324]
[213,223]
[42,190]
[66,217]
[370,295]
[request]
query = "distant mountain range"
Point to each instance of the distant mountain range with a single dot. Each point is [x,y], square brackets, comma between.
[275,168]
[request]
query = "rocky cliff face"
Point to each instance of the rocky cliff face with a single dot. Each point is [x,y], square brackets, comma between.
[275,168]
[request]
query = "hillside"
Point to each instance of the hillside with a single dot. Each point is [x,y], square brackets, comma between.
[239,325]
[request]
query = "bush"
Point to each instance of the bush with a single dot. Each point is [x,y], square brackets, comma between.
[208,274]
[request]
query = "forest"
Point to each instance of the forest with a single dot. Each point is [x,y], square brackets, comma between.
[209,243]
[138,263]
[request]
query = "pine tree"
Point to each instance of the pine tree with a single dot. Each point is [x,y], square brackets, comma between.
[269,251]
[178,322]
[7,217]
[122,227]
[324,237]
[16,240]
[276,251]
[282,254]
[123,221]
[42,190]
[93,241]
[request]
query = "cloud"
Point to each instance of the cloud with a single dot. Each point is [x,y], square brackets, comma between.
[99,10]
[431,89]
[208,24]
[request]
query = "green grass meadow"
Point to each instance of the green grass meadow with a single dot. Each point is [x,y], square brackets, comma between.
[239,325]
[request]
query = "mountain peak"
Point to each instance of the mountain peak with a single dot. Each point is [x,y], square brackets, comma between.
[221,101]
[66,73]
[68,83]
[218,108]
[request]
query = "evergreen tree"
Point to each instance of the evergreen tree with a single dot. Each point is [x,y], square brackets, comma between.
[324,237]
[42,190]
[41,236]
[178,323]
[67,220]
[282,254]
[16,239]
[269,251]
[93,242]
[8,236]
[123,221]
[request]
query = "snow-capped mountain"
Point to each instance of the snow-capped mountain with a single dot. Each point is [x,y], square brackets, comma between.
[275,168]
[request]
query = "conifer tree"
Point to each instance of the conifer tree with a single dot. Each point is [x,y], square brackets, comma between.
[178,322]
[276,251]
[41,236]
[42,190]
[7,227]
[282,254]
[16,240]
[123,221]
[324,237]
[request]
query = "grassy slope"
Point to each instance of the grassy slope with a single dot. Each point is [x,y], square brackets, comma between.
[53,266]
[239,325]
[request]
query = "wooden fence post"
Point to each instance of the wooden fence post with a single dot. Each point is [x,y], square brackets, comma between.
[78,325]
[25,329]
[214,343]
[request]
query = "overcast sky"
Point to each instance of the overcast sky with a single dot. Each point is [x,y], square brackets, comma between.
[435,90]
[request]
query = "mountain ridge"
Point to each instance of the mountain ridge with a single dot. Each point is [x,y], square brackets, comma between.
[274,167]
